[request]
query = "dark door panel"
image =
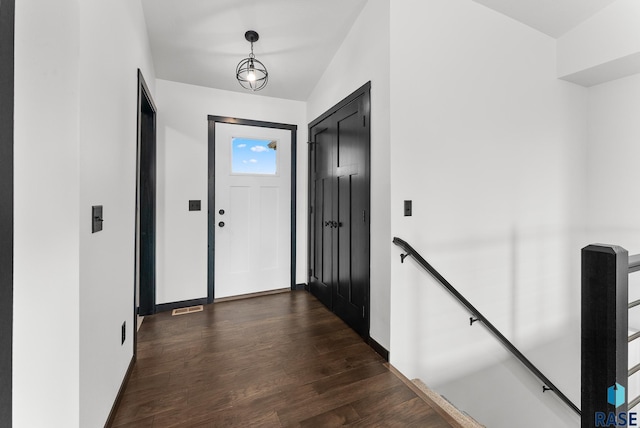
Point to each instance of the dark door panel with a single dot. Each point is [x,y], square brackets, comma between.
[353,194]
[339,198]
[321,273]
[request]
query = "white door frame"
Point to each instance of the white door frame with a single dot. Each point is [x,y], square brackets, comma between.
[211,196]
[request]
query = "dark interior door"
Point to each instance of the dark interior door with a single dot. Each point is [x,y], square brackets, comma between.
[339,222]
[351,227]
[322,177]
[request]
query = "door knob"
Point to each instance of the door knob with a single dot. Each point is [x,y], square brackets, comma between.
[221,224]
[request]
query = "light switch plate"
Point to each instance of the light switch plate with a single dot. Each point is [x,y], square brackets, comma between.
[96,218]
[408,211]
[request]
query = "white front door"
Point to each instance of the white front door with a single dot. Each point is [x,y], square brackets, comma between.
[252,209]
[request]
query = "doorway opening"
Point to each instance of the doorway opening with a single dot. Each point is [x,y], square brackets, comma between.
[251,207]
[145,239]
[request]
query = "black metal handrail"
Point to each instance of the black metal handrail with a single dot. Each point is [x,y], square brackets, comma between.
[547,384]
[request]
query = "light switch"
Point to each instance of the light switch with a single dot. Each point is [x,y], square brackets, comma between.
[96,218]
[407,208]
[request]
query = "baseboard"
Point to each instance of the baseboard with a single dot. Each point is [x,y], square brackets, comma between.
[116,403]
[379,349]
[163,307]
[252,295]
[302,286]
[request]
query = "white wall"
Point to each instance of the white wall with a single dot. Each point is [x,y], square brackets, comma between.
[604,47]
[613,203]
[490,147]
[613,156]
[76,95]
[46,252]
[363,57]
[182,175]
[113,45]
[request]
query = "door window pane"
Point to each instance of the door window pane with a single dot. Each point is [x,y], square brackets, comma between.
[250,156]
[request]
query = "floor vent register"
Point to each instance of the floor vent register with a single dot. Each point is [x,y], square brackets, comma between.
[189,310]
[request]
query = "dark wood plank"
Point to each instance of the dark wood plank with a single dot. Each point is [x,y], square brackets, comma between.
[140,423]
[280,360]
[309,403]
[412,413]
[333,418]
[382,399]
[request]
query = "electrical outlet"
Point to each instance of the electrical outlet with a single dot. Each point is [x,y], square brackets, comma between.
[124,332]
[194,205]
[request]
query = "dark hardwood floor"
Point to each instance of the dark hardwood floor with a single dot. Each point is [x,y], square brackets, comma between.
[279,360]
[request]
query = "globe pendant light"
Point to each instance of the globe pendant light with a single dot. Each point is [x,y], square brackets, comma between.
[250,72]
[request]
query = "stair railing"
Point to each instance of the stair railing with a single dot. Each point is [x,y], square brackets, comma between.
[476,315]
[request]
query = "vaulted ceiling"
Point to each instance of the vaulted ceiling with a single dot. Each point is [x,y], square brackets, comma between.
[552,17]
[200,42]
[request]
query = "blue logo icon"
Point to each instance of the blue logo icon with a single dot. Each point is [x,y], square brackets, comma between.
[615,395]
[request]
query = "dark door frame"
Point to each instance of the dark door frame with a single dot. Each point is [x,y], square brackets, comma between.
[145,235]
[145,204]
[211,194]
[7,26]
[365,92]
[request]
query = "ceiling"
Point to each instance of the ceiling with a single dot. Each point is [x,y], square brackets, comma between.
[552,17]
[200,42]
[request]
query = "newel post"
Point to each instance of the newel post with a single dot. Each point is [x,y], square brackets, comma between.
[605,273]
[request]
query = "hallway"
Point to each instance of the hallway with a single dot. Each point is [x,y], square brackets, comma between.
[279,360]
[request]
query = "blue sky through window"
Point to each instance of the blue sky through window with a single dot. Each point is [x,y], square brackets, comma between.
[249,156]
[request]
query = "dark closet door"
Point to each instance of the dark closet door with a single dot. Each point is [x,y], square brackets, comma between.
[351,226]
[323,188]
[339,222]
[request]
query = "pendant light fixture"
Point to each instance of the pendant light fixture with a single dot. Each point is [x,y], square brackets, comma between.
[251,73]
